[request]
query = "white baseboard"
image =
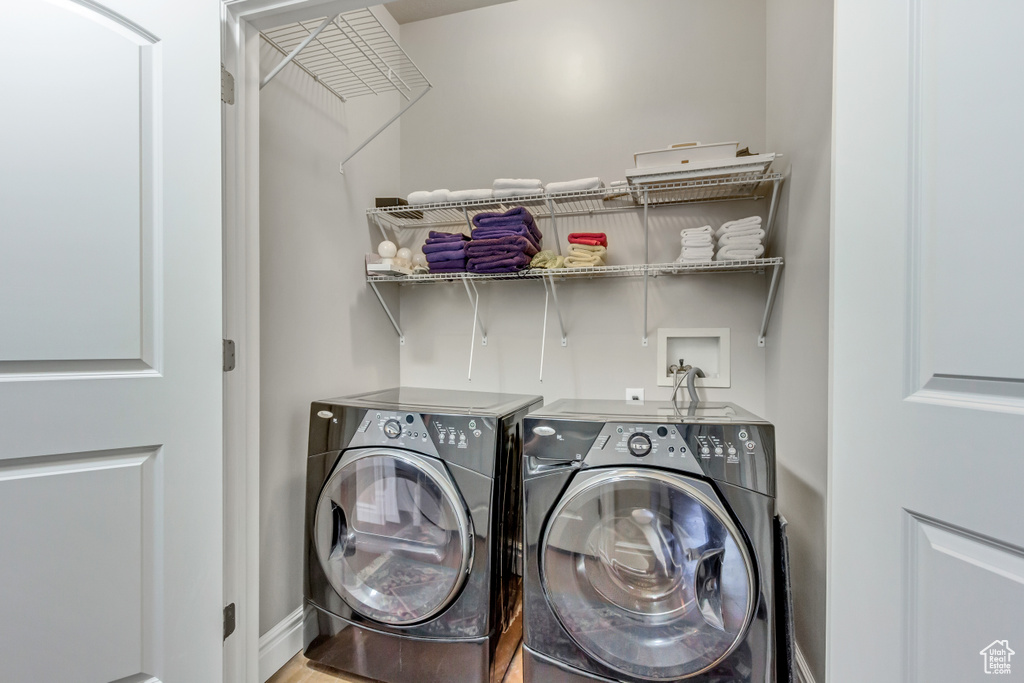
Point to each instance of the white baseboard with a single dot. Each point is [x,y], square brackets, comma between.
[280,644]
[803,670]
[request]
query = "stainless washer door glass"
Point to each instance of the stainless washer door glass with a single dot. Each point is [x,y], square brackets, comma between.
[647,574]
[392,536]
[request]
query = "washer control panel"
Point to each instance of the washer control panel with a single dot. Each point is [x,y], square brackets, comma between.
[742,455]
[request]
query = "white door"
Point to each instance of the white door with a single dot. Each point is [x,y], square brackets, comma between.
[926,564]
[110,318]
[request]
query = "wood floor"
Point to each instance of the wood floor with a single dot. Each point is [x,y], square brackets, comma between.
[301,670]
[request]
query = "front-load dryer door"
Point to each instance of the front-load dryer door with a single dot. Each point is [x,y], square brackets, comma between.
[393,536]
[647,573]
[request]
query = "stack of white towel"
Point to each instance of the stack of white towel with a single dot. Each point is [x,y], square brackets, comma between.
[517,187]
[698,245]
[740,240]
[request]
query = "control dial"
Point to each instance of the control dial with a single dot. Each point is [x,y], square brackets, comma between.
[392,429]
[639,444]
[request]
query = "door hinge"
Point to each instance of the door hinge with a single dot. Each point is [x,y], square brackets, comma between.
[229,620]
[229,355]
[227,86]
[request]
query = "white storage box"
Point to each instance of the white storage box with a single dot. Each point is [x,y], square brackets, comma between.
[756,163]
[686,153]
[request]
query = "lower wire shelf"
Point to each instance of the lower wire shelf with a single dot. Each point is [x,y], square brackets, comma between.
[631,270]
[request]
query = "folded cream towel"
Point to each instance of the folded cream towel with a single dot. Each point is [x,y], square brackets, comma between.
[517,192]
[517,183]
[739,252]
[585,256]
[574,185]
[428,197]
[470,195]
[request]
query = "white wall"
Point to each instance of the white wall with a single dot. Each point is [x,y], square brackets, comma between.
[569,89]
[799,121]
[322,332]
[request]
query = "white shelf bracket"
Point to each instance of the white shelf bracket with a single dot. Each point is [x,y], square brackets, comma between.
[769,303]
[772,210]
[549,282]
[554,228]
[401,337]
[647,263]
[380,130]
[469,222]
[544,331]
[474,299]
[298,48]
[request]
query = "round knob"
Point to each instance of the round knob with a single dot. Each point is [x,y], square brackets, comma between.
[718,450]
[662,432]
[732,451]
[392,429]
[639,445]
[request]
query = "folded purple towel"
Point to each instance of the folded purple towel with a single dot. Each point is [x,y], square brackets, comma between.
[508,243]
[444,248]
[518,215]
[519,229]
[442,256]
[434,237]
[453,266]
[499,261]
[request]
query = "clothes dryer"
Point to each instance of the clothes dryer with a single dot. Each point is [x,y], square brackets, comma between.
[648,543]
[412,525]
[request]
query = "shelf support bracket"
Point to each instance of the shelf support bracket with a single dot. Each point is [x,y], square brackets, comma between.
[298,48]
[401,337]
[474,299]
[772,209]
[380,130]
[554,228]
[549,293]
[647,259]
[469,222]
[769,303]
[549,282]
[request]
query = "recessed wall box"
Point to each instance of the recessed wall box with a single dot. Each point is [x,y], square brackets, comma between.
[705,347]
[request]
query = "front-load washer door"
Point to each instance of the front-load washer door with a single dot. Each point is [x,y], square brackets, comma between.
[647,573]
[393,536]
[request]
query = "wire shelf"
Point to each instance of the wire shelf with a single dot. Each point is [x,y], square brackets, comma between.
[563,274]
[353,55]
[587,202]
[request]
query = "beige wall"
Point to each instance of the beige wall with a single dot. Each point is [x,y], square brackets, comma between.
[322,332]
[569,89]
[799,121]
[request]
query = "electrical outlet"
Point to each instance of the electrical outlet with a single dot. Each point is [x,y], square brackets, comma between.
[634,395]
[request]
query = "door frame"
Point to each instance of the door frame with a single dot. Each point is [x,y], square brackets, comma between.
[241,22]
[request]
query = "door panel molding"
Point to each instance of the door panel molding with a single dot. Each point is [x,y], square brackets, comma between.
[925,380]
[938,554]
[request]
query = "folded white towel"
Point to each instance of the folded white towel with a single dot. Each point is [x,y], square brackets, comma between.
[618,183]
[428,197]
[574,185]
[737,252]
[697,240]
[470,195]
[702,230]
[742,221]
[517,192]
[691,255]
[749,229]
[517,183]
[755,236]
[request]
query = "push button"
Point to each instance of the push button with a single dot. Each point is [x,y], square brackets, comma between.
[751,445]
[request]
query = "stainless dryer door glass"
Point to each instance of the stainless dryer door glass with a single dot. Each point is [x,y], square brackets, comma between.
[393,536]
[647,574]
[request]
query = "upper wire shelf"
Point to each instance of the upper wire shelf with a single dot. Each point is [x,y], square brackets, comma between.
[350,54]
[620,198]
[629,270]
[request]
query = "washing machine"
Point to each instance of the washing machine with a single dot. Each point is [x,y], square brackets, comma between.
[648,532]
[413,521]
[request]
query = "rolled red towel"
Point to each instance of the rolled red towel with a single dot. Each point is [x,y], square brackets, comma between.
[594,239]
